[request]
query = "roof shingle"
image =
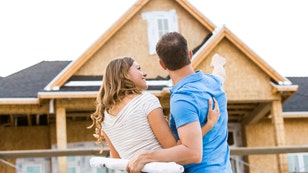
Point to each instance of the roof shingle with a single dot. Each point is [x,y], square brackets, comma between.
[28,82]
[299,101]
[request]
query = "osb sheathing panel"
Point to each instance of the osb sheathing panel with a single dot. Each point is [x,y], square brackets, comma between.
[132,40]
[296,131]
[244,79]
[24,138]
[42,108]
[4,168]
[76,132]
[42,137]
[261,135]
[39,137]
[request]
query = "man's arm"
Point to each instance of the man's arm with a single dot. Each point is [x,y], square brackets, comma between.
[218,63]
[189,151]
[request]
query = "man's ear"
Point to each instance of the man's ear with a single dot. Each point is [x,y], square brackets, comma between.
[162,65]
[190,54]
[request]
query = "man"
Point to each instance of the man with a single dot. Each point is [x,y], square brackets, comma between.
[190,91]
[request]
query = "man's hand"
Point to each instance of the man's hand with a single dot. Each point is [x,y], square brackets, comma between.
[136,164]
[218,60]
[218,63]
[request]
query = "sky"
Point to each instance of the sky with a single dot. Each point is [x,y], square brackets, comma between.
[39,30]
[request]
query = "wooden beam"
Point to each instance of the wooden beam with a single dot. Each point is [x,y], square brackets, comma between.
[51,153]
[29,119]
[61,137]
[257,114]
[279,134]
[268,150]
[77,104]
[94,151]
[24,109]
[12,120]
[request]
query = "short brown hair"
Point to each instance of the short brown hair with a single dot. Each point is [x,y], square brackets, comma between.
[172,50]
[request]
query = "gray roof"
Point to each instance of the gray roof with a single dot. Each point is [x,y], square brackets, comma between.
[299,101]
[28,82]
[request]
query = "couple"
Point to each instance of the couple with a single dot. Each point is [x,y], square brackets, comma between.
[132,122]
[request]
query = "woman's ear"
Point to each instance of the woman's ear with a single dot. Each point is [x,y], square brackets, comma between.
[162,65]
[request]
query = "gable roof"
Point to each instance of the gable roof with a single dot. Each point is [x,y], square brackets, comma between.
[224,32]
[299,101]
[28,82]
[68,72]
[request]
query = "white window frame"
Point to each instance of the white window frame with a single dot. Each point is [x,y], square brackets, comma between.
[154,32]
[235,129]
[79,163]
[301,165]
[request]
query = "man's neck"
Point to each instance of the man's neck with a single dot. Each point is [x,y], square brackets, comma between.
[180,74]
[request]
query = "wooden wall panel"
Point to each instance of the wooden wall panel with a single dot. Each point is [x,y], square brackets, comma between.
[131,40]
[244,80]
[260,135]
[24,138]
[296,131]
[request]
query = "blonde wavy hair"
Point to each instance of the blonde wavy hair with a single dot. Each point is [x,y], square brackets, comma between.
[114,88]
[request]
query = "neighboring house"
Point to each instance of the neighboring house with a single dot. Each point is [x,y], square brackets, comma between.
[47,105]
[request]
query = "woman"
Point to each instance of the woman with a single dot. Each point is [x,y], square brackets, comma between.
[129,119]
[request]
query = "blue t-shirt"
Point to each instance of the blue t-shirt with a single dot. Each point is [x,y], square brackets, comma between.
[189,103]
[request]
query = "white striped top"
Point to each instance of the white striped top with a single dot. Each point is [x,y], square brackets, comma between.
[130,131]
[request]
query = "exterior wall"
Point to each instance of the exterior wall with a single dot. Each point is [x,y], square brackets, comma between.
[296,131]
[22,138]
[261,135]
[76,132]
[244,79]
[40,137]
[131,40]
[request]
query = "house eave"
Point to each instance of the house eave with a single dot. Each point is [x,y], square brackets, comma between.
[18,101]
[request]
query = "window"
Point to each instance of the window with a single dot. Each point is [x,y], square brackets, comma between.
[34,168]
[159,23]
[32,165]
[298,162]
[235,140]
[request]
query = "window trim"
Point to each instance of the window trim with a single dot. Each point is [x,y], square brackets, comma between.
[152,18]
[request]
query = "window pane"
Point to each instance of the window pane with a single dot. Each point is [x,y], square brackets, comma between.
[71,170]
[101,170]
[293,163]
[33,169]
[305,163]
[160,24]
[70,158]
[166,25]
[231,138]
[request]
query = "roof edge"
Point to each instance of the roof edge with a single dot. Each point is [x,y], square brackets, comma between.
[68,72]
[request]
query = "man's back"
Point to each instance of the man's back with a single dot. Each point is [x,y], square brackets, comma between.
[189,100]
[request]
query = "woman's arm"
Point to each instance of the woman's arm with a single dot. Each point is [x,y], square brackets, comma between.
[161,128]
[212,117]
[113,151]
